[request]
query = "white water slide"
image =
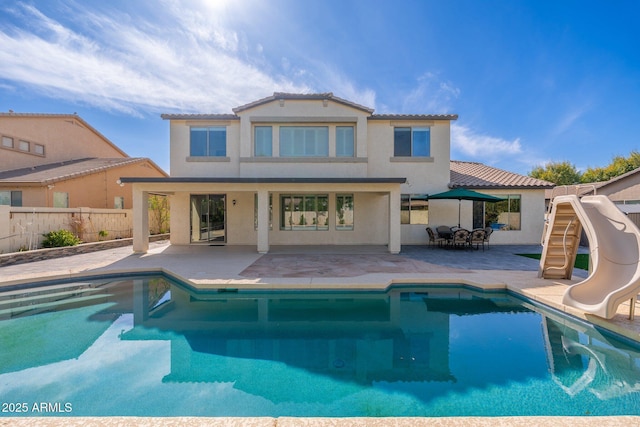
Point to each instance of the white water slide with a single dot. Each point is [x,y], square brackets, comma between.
[614,247]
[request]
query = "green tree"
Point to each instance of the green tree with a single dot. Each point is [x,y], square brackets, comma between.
[159,208]
[619,165]
[560,173]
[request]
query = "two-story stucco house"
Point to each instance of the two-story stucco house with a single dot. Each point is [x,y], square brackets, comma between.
[294,169]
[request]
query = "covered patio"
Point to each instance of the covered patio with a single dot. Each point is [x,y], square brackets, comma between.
[268,211]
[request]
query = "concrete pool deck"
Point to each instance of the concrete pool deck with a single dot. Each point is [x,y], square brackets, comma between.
[328,267]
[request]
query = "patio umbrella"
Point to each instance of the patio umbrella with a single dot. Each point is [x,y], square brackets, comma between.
[465,194]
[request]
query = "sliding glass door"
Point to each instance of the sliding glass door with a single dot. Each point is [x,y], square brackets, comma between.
[208,218]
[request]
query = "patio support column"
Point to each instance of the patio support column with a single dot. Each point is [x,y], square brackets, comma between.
[394,221]
[263,221]
[140,220]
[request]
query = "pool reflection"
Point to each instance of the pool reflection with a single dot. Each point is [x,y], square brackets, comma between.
[357,338]
[581,359]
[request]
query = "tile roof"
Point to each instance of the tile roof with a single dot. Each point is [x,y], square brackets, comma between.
[53,172]
[301,96]
[200,117]
[413,117]
[307,96]
[478,175]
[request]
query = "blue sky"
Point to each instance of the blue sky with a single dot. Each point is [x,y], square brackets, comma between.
[532,81]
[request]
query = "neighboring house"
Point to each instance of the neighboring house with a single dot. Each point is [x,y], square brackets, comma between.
[313,169]
[78,183]
[623,190]
[59,160]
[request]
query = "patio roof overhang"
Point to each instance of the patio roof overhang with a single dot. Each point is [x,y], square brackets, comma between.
[162,185]
[267,180]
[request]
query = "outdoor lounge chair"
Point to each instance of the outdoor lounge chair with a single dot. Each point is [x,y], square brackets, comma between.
[460,238]
[478,237]
[433,239]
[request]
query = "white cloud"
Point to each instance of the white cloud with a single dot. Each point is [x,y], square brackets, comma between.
[484,147]
[570,118]
[431,95]
[343,87]
[118,63]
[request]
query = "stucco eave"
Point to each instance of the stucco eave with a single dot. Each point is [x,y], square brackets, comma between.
[231,180]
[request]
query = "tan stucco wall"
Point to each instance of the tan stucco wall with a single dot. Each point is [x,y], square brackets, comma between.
[374,147]
[424,175]
[64,138]
[627,189]
[183,165]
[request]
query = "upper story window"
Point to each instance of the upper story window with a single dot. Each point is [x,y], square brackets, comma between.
[208,141]
[27,147]
[24,146]
[304,141]
[344,141]
[263,141]
[411,142]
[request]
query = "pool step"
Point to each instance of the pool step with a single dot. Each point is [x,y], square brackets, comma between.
[30,304]
[23,298]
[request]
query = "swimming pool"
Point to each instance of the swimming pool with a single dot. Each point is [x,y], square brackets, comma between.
[149,346]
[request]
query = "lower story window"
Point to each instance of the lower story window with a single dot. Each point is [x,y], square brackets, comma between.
[304,212]
[504,215]
[414,209]
[344,211]
[11,198]
[60,200]
[118,202]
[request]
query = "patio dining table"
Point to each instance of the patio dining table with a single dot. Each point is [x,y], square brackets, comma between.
[445,232]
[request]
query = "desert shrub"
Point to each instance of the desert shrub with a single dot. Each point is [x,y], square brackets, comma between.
[59,238]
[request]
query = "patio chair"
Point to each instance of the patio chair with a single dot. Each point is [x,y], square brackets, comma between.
[433,239]
[478,237]
[488,231]
[460,238]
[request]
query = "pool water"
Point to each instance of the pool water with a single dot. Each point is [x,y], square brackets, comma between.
[148,346]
